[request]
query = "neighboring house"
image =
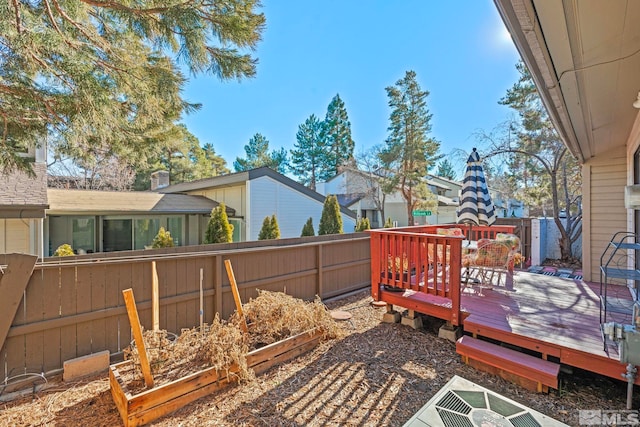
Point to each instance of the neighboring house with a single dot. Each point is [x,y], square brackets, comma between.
[262,192]
[360,192]
[583,56]
[23,200]
[106,221]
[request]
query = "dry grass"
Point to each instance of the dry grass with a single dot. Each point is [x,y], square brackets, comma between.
[375,374]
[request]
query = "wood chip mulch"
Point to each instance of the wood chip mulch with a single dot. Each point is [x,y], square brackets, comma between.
[378,374]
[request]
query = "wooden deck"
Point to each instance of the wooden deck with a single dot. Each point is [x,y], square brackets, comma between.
[555,317]
[549,317]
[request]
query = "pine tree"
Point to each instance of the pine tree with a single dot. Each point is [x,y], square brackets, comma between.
[445,170]
[218,229]
[163,239]
[409,151]
[544,173]
[308,158]
[363,224]
[331,220]
[258,155]
[308,230]
[336,137]
[104,76]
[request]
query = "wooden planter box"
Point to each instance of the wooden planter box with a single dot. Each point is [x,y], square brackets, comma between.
[154,403]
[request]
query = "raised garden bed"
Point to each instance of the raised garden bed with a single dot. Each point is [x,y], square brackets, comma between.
[144,407]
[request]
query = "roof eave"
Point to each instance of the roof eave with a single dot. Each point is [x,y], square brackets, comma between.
[520,19]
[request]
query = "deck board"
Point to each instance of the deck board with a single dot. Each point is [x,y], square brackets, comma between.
[551,315]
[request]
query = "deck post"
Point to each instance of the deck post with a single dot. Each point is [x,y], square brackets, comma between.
[375,265]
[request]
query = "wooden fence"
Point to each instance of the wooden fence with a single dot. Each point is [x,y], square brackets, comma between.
[74,307]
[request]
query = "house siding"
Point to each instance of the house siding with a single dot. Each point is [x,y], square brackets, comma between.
[605,213]
[16,236]
[291,208]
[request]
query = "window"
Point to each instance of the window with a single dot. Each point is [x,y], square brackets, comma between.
[145,231]
[83,234]
[117,235]
[174,226]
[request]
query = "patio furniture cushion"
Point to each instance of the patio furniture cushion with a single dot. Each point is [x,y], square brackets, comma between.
[450,232]
[511,240]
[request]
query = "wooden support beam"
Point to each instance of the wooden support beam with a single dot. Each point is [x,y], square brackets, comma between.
[155,298]
[134,320]
[13,283]
[236,294]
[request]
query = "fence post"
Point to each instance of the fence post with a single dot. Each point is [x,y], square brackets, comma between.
[319,260]
[217,285]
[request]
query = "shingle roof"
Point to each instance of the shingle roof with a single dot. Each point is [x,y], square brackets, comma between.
[110,202]
[19,191]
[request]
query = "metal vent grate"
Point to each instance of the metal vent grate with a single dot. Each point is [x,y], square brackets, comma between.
[452,402]
[453,419]
[461,403]
[525,420]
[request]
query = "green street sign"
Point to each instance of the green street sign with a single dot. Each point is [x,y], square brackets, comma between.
[421,213]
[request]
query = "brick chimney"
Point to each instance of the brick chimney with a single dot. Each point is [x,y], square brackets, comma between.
[159,179]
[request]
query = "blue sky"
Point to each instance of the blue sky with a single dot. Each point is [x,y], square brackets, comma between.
[313,49]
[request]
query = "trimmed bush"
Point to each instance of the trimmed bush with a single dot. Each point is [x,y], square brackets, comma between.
[163,239]
[308,230]
[363,224]
[219,230]
[64,250]
[270,229]
[388,223]
[331,220]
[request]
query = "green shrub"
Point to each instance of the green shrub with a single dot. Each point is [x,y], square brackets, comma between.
[275,228]
[363,224]
[331,220]
[270,229]
[64,250]
[218,229]
[307,230]
[388,223]
[163,239]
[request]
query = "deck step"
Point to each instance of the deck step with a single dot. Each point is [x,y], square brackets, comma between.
[509,363]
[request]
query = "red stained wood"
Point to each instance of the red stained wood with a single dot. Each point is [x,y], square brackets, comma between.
[521,364]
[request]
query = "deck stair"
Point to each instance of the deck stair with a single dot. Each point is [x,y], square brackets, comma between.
[529,371]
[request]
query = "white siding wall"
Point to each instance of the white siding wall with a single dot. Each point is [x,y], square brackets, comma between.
[337,185]
[292,209]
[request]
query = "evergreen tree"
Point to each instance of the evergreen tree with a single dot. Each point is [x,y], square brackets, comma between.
[218,229]
[308,230]
[331,220]
[544,173]
[445,170]
[265,231]
[336,136]
[309,158]
[88,74]
[363,224]
[163,239]
[275,228]
[409,151]
[270,229]
[258,155]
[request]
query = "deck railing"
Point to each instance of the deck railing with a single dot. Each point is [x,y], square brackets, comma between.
[426,264]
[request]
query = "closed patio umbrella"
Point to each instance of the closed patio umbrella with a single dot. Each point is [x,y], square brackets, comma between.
[475,206]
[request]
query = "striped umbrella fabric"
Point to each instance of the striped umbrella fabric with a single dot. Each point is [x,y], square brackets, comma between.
[476,206]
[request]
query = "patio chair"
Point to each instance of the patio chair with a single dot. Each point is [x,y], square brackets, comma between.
[491,260]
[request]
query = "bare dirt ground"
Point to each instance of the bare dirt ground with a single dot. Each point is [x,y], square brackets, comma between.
[377,375]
